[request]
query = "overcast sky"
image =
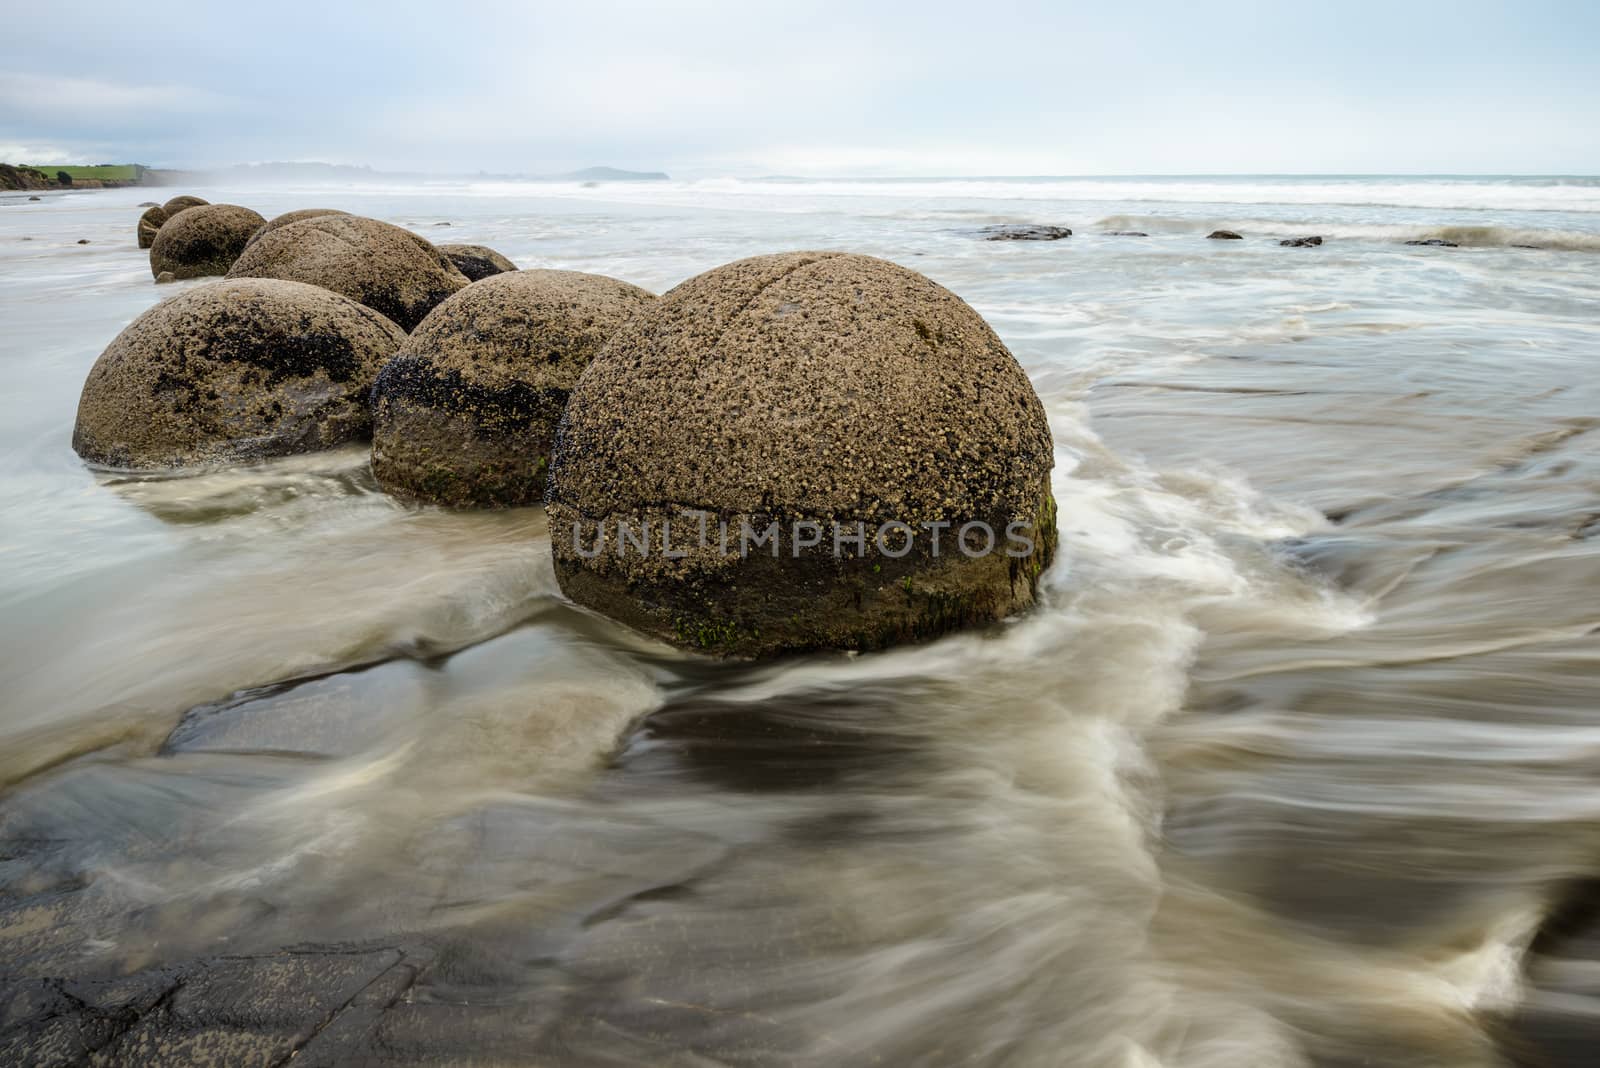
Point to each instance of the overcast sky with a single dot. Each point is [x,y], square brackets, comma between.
[704,86]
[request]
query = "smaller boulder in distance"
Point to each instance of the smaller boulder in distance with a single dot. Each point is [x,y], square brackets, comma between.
[149,224]
[177,204]
[290,217]
[203,240]
[477,262]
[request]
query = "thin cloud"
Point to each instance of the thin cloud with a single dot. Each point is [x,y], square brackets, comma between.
[717,86]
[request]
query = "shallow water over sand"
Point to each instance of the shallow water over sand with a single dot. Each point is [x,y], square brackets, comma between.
[1294,760]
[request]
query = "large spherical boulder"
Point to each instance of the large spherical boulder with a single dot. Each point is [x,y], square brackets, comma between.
[293,217]
[177,204]
[800,451]
[466,412]
[202,240]
[234,371]
[477,262]
[150,224]
[384,267]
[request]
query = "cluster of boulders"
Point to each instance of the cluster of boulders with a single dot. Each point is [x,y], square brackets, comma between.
[156,215]
[840,412]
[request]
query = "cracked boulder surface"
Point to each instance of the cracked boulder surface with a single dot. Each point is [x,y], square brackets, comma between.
[477,262]
[202,240]
[390,270]
[233,371]
[465,413]
[834,391]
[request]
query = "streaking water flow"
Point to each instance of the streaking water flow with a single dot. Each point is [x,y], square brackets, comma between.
[1288,770]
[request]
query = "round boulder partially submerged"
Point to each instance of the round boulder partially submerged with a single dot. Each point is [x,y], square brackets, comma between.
[466,412]
[232,371]
[801,451]
[202,240]
[289,217]
[150,224]
[177,204]
[477,262]
[388,269]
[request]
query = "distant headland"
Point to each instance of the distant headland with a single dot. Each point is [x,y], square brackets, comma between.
[96,176]
[113,175]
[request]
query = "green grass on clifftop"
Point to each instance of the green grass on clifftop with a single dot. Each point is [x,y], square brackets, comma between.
[105,172]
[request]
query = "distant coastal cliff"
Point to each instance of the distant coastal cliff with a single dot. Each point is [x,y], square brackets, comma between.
[17,176]
[101,176]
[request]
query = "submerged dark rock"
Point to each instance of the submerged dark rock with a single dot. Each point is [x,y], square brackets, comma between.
[1125,233]
[811,390]
[1024,232]
[465,414]
[1301,242]
[1556,1022]
[1224,235]
[1434,242]
[233,371]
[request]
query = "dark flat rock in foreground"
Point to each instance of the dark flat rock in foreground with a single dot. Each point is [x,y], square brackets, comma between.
[319,1006]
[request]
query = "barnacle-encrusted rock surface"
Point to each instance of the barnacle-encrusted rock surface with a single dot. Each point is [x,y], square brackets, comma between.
[178,203]
[465,413]
[202,240]
[807,388]
[293,217]
[150,224]
[384,267]
[477,262]
[230,371]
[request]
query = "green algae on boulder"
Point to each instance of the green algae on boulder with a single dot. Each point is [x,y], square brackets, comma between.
[233,371]
[388,269]
[477,262]
[150,224]
[202,240]
[465,413]
[803,451]
[292,217]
